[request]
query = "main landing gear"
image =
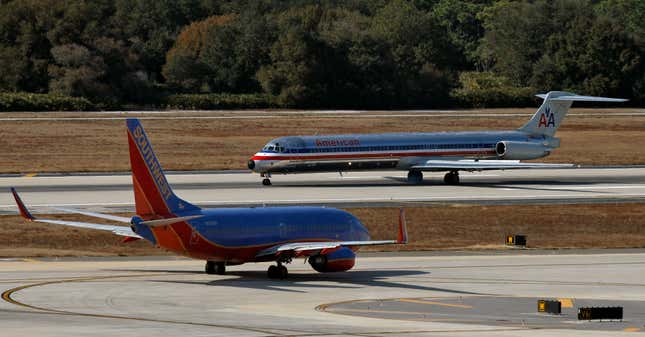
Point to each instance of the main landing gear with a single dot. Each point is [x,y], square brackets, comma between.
[213,267]
[277,271]
[451,178]
[415,177]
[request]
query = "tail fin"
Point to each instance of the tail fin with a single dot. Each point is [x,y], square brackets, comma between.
[551,113]
[153,196]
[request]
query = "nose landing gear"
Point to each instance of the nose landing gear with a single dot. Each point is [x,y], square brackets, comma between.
[267,179]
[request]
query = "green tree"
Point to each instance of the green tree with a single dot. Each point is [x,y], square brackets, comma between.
[24,47]
[564,44]
[298,65]
[183,67]
[416,53]
[628,14]
[516,32]
[77,72]
[234,52]
[459,19]
[151,27]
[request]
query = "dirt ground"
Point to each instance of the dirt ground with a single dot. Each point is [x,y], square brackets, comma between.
[429,228]
[207,144]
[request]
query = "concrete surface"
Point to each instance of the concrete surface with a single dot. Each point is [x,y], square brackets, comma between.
[503,311]
[172,296]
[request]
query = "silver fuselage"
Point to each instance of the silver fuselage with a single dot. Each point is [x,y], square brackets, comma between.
[330,153]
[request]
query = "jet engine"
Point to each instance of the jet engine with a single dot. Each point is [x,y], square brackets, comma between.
[340,260]
[521,150]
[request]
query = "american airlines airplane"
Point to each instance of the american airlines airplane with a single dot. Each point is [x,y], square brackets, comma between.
[327,237]
[417,152]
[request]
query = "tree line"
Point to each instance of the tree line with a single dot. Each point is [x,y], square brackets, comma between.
[333,53]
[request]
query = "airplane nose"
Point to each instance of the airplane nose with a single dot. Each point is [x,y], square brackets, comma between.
[251,164]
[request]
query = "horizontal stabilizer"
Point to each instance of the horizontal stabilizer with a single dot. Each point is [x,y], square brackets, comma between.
[547,119]
[580,98]
[169,221]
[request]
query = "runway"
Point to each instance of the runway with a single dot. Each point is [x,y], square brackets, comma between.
[172,296]
[113,192]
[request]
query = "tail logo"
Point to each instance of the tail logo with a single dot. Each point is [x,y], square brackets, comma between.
[547,119]
[153,165]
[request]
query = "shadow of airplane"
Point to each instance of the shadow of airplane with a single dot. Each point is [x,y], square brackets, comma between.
[344,280]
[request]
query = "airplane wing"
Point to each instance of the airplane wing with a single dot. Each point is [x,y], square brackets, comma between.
[480,165]
[312,248]
[118,230]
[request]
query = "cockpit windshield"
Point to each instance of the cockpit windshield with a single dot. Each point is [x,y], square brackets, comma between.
[273,148]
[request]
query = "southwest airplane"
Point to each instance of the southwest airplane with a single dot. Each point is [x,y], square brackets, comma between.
[418,152]
[327,237]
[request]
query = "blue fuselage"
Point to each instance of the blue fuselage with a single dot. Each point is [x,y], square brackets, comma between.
[237,234]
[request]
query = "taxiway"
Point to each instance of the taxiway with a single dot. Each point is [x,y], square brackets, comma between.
[389,294]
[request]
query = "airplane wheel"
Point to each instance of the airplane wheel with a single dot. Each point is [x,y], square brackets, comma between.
[283,272]
[266,182]
[415,177]
[210,267]
[277,272]
[213,267]
[273,271]
[220,268]
[451,178]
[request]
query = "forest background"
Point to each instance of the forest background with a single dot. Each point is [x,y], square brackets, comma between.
[366,54]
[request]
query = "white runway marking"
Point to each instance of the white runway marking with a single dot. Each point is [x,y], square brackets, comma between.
[595,187]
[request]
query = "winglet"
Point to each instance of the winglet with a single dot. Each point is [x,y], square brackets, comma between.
[403,228]
[21,206]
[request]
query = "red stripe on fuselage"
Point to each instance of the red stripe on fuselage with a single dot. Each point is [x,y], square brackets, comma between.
[372,155]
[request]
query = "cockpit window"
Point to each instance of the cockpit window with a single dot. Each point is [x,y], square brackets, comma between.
[273,148]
